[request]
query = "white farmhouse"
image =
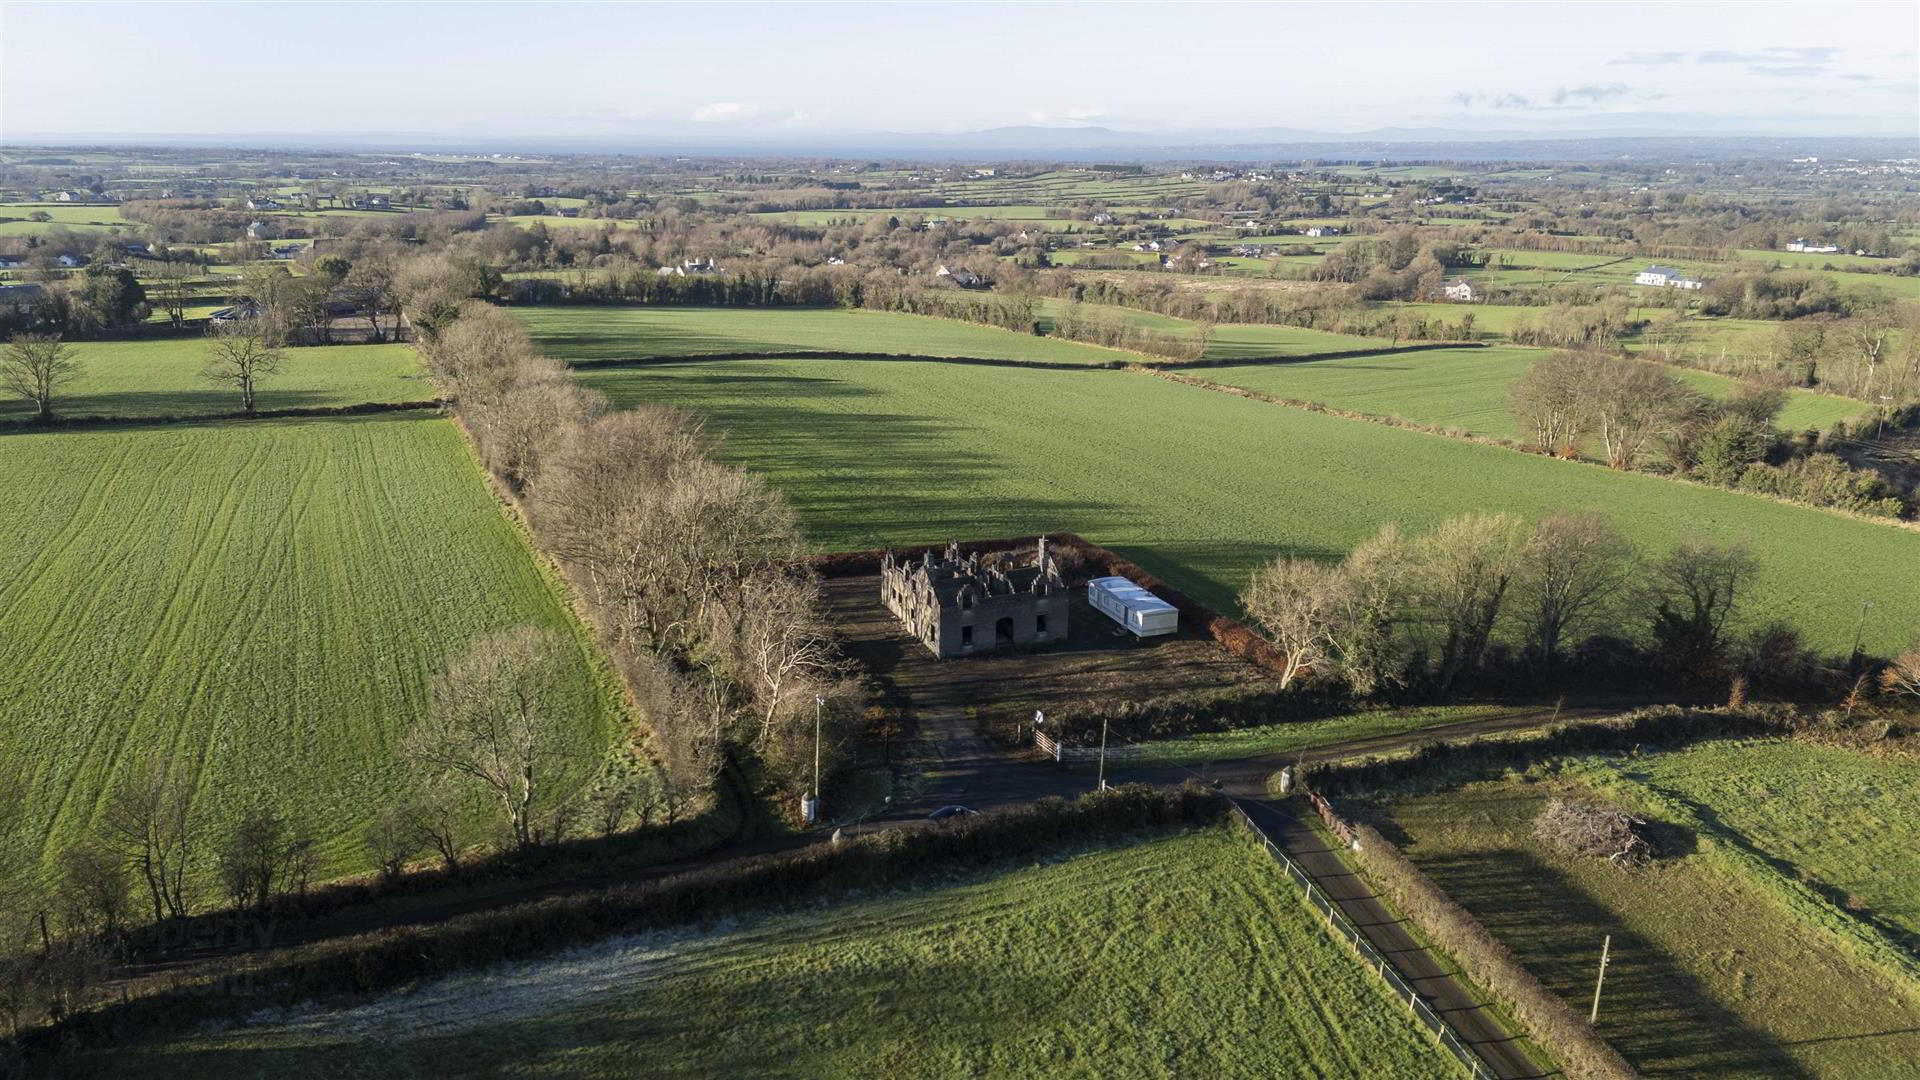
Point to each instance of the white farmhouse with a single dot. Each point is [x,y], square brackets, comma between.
[1459,290]
[1666,277]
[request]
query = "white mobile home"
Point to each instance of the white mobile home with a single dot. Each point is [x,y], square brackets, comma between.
[1141,612]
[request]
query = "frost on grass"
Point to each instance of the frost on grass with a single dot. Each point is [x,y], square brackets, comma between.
[510,992]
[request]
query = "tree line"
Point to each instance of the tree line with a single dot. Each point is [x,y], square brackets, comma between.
[1423,612]
[1630,410]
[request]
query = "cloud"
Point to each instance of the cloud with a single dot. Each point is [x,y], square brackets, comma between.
[1788,69]
[1592,93]
[725,112]
[1565,97]
[1652,59]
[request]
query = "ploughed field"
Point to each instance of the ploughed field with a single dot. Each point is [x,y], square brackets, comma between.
[161,378]
[1187,955]
[1200,486]
[1773,938]
[259,603]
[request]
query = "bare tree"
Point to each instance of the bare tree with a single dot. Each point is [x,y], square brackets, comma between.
[498,718]
[1298,602]
[147,822]
[262,855]
[1573,564]
[783,650]
[1632,402]
[241,357]
[94,891]
[1552,401]
[36,367]
[1461,573]
[691,715]
[1367,642]
[1902,676]
[392,840]
[171,289]
[1692,593]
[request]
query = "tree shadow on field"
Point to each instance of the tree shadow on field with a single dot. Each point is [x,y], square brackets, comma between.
[1655,1012]
[889,1016]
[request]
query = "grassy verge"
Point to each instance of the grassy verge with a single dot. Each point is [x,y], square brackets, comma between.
[1269,740]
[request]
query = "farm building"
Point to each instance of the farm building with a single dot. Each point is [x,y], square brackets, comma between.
[1459,290]
[20,299]
[1324,230]
[1815,248]
[1666,277]
[957,606]
[962,277]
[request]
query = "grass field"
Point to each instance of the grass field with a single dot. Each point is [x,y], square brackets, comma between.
[162,378]
[80,217]
[1201,486]
[1829,814]
[607,333]
[1188,955]
[1467,389]
[260,602]
[1270,739]
[1230,341]
[1711,974]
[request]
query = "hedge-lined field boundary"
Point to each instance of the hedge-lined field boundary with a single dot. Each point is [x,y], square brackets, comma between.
[888,859]
[94,421]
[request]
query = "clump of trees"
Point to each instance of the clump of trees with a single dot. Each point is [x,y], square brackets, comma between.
[1628,408]
[1404,611]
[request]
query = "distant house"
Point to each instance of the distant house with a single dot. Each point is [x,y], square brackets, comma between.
[8,262]
[262,204]
[1151,245]
[835,260]
[960,276]
[136,249]
[1103,218]
[1459,290]
[1813,249]
[71,196]
[1250,251]
[1324,230]
[1666,277]
[20,299]
[257,230]
[70,261]
[286,251]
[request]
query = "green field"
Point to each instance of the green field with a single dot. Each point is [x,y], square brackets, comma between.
[1190,955]
[1465,388]
[1230,341]
[260,602]
[1267,740]
[1201,486]
[1828,814]
[1712,973]
[629,333]
[162,378]
[80,217]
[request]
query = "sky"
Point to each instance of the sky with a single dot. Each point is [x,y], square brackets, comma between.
[609,70]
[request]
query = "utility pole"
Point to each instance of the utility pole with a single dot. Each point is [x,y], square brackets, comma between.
[1606,947]
[1859,631]
[1103,755]
[819,703]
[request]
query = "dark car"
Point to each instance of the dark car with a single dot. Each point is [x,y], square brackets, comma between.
[946,812]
